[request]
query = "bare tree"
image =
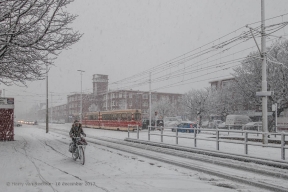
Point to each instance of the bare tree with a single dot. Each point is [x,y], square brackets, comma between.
[225,101]
[165,107]
[32,34]
[197,103]
[248,78]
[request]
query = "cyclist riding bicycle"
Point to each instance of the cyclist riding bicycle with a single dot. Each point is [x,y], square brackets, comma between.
[76,131]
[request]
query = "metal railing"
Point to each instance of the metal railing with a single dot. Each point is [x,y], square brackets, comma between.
[217,140]
[137,128]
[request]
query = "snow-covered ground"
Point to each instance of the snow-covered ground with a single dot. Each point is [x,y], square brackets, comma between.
[257,151]
[37,161]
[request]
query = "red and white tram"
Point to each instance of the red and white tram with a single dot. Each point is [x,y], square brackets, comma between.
[114,120]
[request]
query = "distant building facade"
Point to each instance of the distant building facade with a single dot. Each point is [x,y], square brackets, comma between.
[131,99]
[219,84]
[103,99]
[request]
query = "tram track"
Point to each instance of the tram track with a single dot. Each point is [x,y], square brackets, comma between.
[260,176]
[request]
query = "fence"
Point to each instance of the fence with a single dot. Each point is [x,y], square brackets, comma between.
[217,140]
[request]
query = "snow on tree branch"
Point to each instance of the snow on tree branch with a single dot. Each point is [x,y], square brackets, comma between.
[32,34]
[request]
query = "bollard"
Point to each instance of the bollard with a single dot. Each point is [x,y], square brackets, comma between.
[242,129]
[282,146]
[217,140]
[148,133]
[176,136]
[195,143]
[161,134]
[257,130]
[128,132]
[137,132]
[228,129]
[245,143]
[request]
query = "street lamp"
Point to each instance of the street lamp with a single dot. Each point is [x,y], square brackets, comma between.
[81,71]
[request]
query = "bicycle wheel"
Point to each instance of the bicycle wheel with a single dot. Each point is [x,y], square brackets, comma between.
[82,155]
[75,154]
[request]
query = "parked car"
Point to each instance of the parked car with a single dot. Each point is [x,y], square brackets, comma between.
[145,123]
[214,124]
[237,120]
[253,126]
[17,124]
[172,121]
[186,124]
[205,124]
[222,125]
[160,124]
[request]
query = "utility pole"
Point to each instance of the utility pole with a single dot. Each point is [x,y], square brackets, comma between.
[81,71]
[51,120]
[264,75]
[276,106]
[126,100]
[111,94]
[106,100]
[150,100]
[47,123]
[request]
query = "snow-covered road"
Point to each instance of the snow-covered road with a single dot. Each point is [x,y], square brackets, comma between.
[37,161]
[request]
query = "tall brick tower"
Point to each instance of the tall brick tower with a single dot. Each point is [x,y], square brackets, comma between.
[100,84]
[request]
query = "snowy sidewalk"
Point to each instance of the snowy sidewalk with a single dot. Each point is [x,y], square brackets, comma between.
[37,161]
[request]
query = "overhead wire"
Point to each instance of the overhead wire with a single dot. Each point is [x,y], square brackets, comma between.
[244,36]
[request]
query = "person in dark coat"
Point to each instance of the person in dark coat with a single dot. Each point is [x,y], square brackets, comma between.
[76,131]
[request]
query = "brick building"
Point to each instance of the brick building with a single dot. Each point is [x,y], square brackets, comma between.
[103,99]
[131,99]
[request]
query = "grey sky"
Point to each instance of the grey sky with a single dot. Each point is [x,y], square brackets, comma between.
[122,38]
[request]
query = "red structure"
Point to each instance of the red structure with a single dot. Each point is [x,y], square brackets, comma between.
[6,119]
[114,120]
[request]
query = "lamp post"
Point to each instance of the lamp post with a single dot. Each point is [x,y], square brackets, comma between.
[47,118]
[81,71]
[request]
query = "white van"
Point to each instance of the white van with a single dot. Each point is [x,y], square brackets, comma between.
[172,121]
[237,120]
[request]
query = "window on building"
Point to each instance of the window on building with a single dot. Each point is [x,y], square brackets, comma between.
[130,95]
[154,96]
[145,96]
[120,95]
[225,83]
[214,86]
[145,104]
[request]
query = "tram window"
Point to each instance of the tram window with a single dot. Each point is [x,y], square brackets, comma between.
[95,117]
[105,116]
[129,116]
[123,116]
[90,117]
[114,116]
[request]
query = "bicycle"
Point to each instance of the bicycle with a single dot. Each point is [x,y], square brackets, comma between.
[79,150]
